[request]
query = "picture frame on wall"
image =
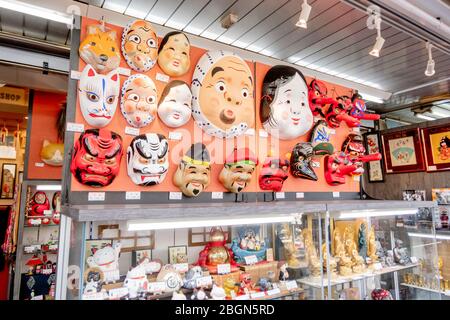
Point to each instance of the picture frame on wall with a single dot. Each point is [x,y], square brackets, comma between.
[441,195]
[8,180]
[139,255]
[403,151]
[177,254]
[375,168]
[436,147]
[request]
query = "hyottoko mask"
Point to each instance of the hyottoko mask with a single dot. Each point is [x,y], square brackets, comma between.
[273,174]
[238,170]
[222,90]
[285,111]
[138,100]
[140,45]
[175,105]
[194,171]
[98,96]
[174,54]
[96,157]
[301,162]
[148,159]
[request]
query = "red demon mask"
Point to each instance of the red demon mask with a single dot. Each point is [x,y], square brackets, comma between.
[96,157]
[39,203]
[339,112]
[337,166]
[317,95]
[273,173]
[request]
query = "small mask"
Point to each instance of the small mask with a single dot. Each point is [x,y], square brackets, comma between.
[138,100]
[320,139]
[273,174]
[337,166]
[300,162]
[174,54]
[194,171]
[175,107]
[148,159]
[140,45]
[353,147]
[238,170]
[96,157]
[98,95]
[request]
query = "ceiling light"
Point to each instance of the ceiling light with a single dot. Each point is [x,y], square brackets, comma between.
[443,113]
[424,117]
[48,187]
[36,11]
[304,15]
[429,236]
[374,213]
[368,97]
[429,71]
[380,40]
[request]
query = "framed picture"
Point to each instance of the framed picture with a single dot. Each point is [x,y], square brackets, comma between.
[130,241]
[436,144]
[8,180]
[138,255]
[375,168]
[177,254]
[93,245]
[403,151]
[441,195]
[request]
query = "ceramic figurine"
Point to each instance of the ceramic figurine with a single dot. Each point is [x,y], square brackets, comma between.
[150,266]
[358,109]
[136,281]
[329,262]
[238,170]
[52,153]
[171,277]
[222,90]
[321,139]
[178,295]
[175,104]
[285,111]
[248,243]
[230,288]
[39,203]
[174,54]
[358,262]
[107,260]
[401,253]
[318,97]
[199,294]
[191,276]
[284,274]
[218,293]
[265,284]
[301,161]
[246,286]
[390,258]
[273,173]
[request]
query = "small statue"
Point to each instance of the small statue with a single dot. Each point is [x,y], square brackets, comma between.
[295,255]
[248,243]
[401,253]
[329,260]
[199,294]
[189,281]
[390,258]
[372,248]
[362,241]
[311,252]
[265,284]
[358,262]
[136,281]
[218,293]
[246,286]
[344,261]
[284,275]
[107,260]
[231,290]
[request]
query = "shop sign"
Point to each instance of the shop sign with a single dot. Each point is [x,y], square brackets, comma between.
[16,96]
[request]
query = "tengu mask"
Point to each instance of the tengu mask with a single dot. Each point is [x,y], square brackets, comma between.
[300,162]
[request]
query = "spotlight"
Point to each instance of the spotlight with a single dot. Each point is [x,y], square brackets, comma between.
[304,15]
[380,40]
[429,71]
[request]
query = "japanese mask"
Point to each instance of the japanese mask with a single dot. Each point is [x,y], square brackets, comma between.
[320,139]
[301,162]
[140,45]
[98,95]
[175,105]
[194,171]
[222,90]
[337,166]
[353,147]
[174,56]
[273,174]
[99,49]
[148,159]
[138,100]
[96,157]
[285,111]
[238,170]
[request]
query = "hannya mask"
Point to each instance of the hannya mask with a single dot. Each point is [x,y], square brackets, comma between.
[96,157]
[273,174]
[238,170]
[222,90]
[98,95]
[148,159]
[140,45]
[174,56]
[175,105]
[194,171]
[300,162]
[285,111]
[320,139]
[99,49]
[138,100]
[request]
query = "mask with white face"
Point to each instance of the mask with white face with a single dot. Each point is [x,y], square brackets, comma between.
[174,109]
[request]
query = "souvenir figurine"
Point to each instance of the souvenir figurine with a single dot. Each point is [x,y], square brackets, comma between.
[174,54]
[178,295]
[39,204]
[372,247]
[136,281]
[284,274]
[320,139]
[337,166]
[362,240]
[175,104]
[285,111]
[222,90]
[358,109]
[99,49]
[329,262]
[218,293]
[390,258]
[293,246]
[248,243]
[401,253]
[246,285]
[170,276]
[301,162]
[96,157]
[354,149]
[140,45]
[150,266]
[344,261]
[194,171]
[107,260]
[265,284]
[199,294]
[318,97]
[230,288]
[381,294]
[311,252]
[191,276]
[56,205]
[98,95]
[238,170]
[273,173]
[138,102]
[148,159]
[52,153]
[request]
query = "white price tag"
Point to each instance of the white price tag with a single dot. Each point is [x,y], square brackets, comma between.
[96,196]
[432,168]
[124,71]
[174,135]
[132,131]
[250,132]
[162,77]
[280,195]
[74,127]
[181,267]
[249,260]
[257,295]
[243,297]
[117,292]
[175,196]
[133,195]
[224,268]
[274,292]
[48,213]
[299,195]
[414,259]
[154,287]
[39,164]
[93,296]
[75,75]
[216,195]
[292,284]
[315,164]
[263,133]
[203,282]
[336,194]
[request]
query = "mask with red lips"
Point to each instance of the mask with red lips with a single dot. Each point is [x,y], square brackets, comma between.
[273,174]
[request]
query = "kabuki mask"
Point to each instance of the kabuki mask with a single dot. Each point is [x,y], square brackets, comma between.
[285,111]
[148,159]
[238,170]
[320,139]
[140,45]
[301,163]
[138,100]
[174,56]
[175,105]
[98,95]
[273,174]
[194,171]
[222,90]
[96,157]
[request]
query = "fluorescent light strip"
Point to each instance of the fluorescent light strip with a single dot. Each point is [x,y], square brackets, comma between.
[36,11]
[440,112]
[424,117]
[48,187]
[428,236]
[375,213]
[368,97]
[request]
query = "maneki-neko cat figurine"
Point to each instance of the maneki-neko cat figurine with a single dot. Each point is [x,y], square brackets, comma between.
[107,260]
[273,174]
[238,170]
[248,243]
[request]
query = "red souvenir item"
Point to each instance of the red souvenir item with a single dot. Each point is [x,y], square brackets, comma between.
[337,113]
[337,166]
[355,151]
[273,174]
[317,94]
[246,286]
[39,203]
[358,109]
[381,294]
[96,157]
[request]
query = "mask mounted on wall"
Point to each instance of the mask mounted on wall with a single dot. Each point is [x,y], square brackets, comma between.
[194,171]
[355,151]
[99,49]
[320,139]
[301,162]
[285,111]
[273,174]
[337,113]
[337,166]
[38,204]
[222,90]
[52,153]
[138,100]
[318,97]
[140,45]
[148,159]
[174,54]
[175,105]
[238,170]
[358,109]
[96,157]
[98,95]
